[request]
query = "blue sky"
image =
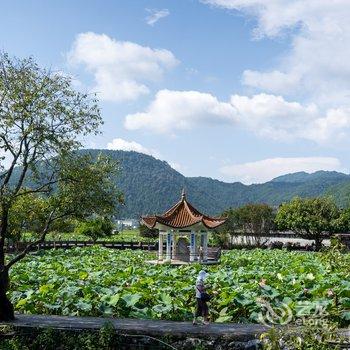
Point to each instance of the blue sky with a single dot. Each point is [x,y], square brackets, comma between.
[239,90]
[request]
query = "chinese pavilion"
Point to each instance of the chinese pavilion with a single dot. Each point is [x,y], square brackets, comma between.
[182,225]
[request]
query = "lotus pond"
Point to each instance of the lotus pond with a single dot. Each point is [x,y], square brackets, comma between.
[102,282]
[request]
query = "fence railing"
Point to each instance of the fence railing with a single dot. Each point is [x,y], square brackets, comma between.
[121,245]
[18,246]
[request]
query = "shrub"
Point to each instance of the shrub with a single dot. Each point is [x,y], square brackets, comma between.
[147,232]
[95,228]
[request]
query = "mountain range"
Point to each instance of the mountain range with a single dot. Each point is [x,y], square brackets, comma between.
[152,186]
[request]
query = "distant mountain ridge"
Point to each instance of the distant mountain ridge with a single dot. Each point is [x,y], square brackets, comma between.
[151,186]
[302,176]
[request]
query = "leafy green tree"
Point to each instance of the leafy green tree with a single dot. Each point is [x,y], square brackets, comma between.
[42,122]
[26,215]
[255,219]
[342,223]
[224,234]
[147,232]
[310,218]
[232,224]
[95,228]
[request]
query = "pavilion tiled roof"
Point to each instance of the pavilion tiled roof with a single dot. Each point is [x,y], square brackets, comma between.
[182,215]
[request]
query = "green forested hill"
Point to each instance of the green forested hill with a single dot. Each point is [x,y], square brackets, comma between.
[341,192]
[329,176]
[152,186]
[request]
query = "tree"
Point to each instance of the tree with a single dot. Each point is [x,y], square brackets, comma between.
[26,215]
[224,234]
[254,219]
[95,228]
[42,122]
[342,223]
[148,232]
[309,218]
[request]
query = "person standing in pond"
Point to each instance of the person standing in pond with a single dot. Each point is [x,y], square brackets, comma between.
[201,298]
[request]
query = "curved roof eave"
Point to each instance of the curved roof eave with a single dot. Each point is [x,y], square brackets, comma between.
[181,216]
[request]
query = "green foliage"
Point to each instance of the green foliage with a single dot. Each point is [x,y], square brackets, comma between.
[152,186]
[81,179]
[310,218]
[95,228]
[147,232]
[28,213]
[49,339]
[220,238]
[41,117]
[332,257]
[233,224]
[342,223]
[42,122]
[133,236]
[254,219]
[88,181]
[97,281]
[341,193]
[309,337]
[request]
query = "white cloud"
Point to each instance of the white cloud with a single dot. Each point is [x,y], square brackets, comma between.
[121,69]
[176,166]
[156,15]
[267,169]
[317,66]
[315,69]
[334,126]
[273,116]
[181,110]
[124,145]
[267,115]
[274,81]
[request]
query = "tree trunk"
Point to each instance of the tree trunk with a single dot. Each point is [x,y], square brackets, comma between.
[318,243]
[6,307]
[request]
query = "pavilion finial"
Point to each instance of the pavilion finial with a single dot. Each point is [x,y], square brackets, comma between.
[183,194]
